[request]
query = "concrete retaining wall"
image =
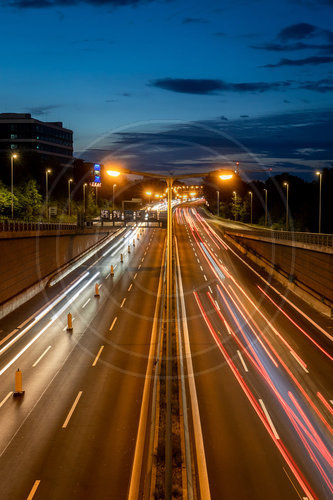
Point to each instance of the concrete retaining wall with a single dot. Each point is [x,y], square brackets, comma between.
[309,274]
[26,261]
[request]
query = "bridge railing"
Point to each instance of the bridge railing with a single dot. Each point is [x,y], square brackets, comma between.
[324,240]
[6,225]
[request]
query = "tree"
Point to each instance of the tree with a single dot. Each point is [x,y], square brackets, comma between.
[28,202]
[5,200]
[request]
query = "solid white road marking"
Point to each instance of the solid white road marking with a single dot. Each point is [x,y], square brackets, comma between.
[113,323]
[123,302]
[242,360]
[87,302]
[269,419]
[98,355]
[5,398]
[33,490]
[71,411]
[42,356]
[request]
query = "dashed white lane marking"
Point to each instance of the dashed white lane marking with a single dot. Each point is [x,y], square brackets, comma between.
[5,398]
[201,268]
[135,275]
[217,306]
[123,302]
[269,419]
[242,361]
[71,411]
[98,355]
[113,323]
[87,302]
[107,276]
[198,261]
[211,291]
[205,277]
[139,266]
[42,356]
[294,355]
[33,490]
[130,287]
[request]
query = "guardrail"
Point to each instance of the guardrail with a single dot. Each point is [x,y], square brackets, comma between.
[323,240]
[6,225]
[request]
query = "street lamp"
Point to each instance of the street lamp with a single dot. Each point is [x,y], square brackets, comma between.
[113,188]
[218,203]
[235,201]
[287,206]
[265,207]
[12,158]
[69,196]
[251,203]
[47,172]
[149,193]
[320,174]
[84,198]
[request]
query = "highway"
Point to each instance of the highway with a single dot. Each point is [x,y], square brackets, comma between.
[262,371]
[258,375]
[72,435]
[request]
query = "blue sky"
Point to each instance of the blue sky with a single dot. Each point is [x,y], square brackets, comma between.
[134,79]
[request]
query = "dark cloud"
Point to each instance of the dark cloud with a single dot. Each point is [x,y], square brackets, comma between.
[42,110]
[322,86]
[292,38]
[244,116]
[280,47]
[42,4]
[212,87]
[224,118]
[194,20]
[298,31]
[299,141]
[313,60]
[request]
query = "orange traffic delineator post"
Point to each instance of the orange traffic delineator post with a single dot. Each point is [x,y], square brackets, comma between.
[138,235]
[129,249]
[111,271]
[96,290]
[69,322]
[18,384]
[121,258]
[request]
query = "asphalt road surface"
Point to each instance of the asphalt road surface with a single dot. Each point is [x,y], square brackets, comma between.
[263,374]
[73,433]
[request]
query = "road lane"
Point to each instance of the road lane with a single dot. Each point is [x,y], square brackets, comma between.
[92,456]
[229,326]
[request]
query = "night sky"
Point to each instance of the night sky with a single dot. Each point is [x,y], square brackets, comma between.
[182,85]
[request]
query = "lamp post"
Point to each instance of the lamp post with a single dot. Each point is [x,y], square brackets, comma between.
[69,196]
[12,158]
[287,206]
[47,172]
[251,203]
[235,202]
[320,174]
[84,199]
[169,317]
[265,207]
[113,188]
[218,203]
[148,193]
